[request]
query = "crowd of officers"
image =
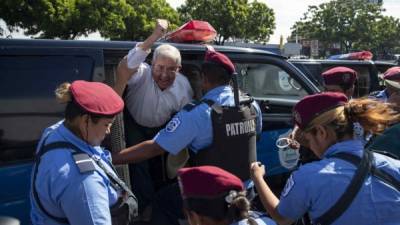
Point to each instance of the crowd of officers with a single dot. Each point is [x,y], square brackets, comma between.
[354,177]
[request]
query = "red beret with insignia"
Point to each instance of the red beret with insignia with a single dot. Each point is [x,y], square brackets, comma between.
[392,73]
[220,59]
[97,98]
[207,181]
[339,76]
[312,106]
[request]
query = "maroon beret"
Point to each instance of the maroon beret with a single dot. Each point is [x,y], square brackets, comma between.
[207,181]
[96,97]
[392,73]
[313,105]
[339,76]
[220,59]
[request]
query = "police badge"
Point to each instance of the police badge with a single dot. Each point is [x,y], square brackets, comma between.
[172,125]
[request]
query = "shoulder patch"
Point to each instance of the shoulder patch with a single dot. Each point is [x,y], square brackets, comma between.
[289,185]
[84,162]
[172,125]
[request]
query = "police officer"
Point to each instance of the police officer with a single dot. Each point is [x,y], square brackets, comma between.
[340,79]
[337,79]
[73,181]
[153,94]
[326,120]
[193,126]
[213,196]
[388,141]
[392,83]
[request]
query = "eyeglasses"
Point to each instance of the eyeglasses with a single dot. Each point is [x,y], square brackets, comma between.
[167,69]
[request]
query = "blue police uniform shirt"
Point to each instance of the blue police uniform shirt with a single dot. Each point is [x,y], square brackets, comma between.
[382,95]
[82,198]
[260,218]
[193,128]
[316,186]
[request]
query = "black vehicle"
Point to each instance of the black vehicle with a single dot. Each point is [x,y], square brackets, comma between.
[368,72]
[32,69]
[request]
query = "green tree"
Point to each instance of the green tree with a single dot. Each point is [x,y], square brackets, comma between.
[354,24]
[140,21]
[232,18]
[64,19]
[260,22]
[384,38]
[68,19]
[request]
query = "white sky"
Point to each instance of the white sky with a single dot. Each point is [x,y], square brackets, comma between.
[289,11]
[286,13]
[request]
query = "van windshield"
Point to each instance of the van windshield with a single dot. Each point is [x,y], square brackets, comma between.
[268,81]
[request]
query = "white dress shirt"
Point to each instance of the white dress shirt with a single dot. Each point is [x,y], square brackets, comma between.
[147,103]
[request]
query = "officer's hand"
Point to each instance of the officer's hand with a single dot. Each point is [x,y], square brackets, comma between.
[293,144]
[257,170]
[298,136]
[161,27]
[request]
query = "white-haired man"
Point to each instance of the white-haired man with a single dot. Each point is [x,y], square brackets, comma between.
[153,94]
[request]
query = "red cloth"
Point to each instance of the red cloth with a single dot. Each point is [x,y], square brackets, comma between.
[207,181]
[220,59]
[339,76]
[363,55]
[194,30]
[312,106]
[96,97]
[392,73]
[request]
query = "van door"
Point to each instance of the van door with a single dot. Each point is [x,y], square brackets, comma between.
[28,79]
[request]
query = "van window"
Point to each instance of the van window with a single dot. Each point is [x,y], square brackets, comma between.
[266,81]
[363,82]
[28,105]
[312,71]
[192,71]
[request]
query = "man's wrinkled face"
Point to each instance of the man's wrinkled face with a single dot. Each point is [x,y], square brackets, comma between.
[164,72]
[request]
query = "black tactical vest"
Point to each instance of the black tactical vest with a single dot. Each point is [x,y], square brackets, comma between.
[234,144]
